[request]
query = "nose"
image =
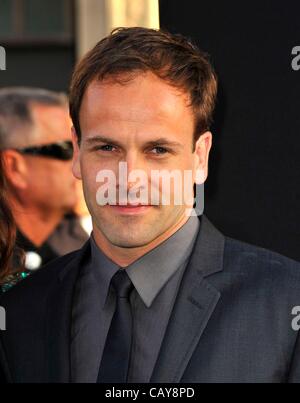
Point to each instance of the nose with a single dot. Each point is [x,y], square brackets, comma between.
[134,164]
[132,161]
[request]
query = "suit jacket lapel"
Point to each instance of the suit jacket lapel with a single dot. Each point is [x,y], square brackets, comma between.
[59,312]
[195,303]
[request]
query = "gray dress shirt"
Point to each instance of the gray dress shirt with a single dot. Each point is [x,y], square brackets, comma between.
[156,277]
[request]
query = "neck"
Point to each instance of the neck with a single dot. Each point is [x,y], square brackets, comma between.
[123,257]
[36,224]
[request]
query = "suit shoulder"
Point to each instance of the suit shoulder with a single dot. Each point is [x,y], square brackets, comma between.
[239,255]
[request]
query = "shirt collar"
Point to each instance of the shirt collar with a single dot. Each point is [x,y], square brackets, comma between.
[102,268]
[154,269]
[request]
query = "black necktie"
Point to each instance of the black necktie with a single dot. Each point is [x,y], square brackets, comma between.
[115,358]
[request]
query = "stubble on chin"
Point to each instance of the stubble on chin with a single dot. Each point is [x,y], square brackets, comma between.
[129,232]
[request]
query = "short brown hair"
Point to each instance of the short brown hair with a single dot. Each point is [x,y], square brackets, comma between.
[171,57]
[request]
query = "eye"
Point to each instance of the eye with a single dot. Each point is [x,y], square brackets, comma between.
[160,150]
[106,147]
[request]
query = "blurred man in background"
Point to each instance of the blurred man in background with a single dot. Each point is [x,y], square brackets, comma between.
[43,194]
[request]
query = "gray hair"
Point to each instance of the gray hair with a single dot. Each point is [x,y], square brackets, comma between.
[15,112]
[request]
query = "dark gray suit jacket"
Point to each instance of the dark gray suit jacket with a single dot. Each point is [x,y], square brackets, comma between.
[232,319]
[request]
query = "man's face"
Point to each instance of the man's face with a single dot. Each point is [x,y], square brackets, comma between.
[149,125]
[51,184]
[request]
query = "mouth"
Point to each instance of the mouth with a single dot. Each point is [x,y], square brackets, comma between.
[131,208]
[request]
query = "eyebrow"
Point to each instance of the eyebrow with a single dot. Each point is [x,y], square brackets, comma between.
[157,142]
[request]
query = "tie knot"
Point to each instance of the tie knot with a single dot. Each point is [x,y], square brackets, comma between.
[122,284]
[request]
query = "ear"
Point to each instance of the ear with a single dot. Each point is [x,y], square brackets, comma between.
[76,155]
[201,154]
[81,208]
[16,170]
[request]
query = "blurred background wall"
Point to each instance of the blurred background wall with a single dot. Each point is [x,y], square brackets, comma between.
[39,38]
[252,191]
[96,18]
[43,38]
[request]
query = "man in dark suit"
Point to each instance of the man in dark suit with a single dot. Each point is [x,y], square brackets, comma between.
[157,294]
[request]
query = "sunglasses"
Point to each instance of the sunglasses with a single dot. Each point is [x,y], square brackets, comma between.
[62,150]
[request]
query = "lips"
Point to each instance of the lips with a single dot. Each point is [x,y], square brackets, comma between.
[130,208]
[132,205]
